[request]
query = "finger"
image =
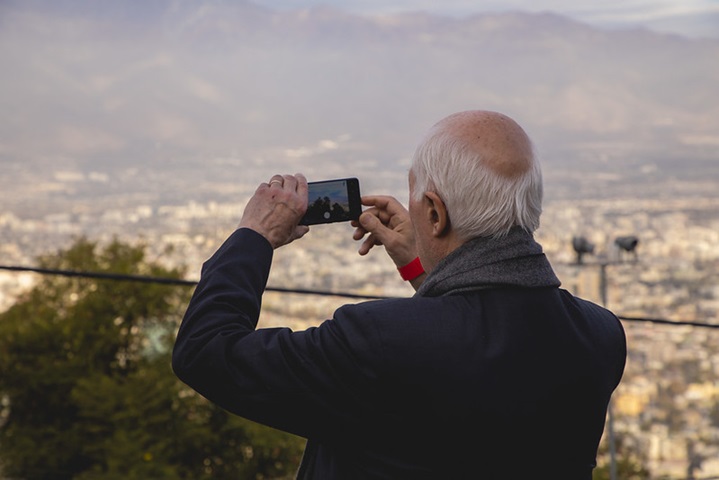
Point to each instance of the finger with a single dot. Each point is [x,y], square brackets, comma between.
[377,230]
[385,217]
[390,206]
[382,215]
[359,233]
[379,201]
[289,182]
[371,220]
[302,188]
[276,180]
[367,245]
[373,200]
[300,179]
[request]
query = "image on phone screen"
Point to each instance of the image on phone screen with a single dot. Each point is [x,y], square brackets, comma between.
[332,201]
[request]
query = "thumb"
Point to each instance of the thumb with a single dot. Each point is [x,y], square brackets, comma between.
[300,231]
[370,222]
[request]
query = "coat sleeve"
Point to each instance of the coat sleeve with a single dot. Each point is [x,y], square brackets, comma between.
[311,383]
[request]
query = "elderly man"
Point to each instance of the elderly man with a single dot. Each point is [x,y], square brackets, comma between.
[489,371]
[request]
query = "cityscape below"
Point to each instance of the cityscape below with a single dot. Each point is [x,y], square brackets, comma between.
[667,406]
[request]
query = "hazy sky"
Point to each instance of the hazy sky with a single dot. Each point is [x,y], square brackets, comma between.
[688,17]
[98,84]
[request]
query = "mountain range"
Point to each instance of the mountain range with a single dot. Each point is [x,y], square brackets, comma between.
[188,86]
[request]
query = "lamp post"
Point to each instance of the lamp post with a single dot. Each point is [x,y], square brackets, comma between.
[581,246]
[627,244]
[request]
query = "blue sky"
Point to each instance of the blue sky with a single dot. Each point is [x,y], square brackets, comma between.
[688,17]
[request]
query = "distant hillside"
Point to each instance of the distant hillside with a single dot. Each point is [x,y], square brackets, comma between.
[202,84]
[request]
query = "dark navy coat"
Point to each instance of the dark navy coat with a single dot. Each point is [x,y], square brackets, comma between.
[501,383]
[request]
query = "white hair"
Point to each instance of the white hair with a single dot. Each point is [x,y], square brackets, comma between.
[480,202]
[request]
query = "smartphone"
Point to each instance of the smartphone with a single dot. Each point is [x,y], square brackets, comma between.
[331,201]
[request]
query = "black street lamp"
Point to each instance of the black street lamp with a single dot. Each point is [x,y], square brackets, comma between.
[582,246]
[627,244]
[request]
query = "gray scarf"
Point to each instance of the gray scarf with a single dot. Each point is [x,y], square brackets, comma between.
[485,262]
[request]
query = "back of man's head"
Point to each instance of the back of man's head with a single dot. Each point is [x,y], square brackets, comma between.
[482,165]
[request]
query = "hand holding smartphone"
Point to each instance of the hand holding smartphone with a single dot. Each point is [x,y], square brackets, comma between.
[331,201]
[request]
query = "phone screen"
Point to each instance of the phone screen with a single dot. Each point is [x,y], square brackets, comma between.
[332,201]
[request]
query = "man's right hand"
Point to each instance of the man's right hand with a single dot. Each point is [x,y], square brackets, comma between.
[386,223]
[275,210]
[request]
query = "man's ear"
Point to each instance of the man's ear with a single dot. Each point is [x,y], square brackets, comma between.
[437,214]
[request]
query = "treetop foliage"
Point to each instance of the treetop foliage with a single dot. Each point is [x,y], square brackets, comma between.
[87,391]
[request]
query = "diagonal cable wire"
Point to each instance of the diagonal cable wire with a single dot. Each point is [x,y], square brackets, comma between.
[172,281]
[190,283]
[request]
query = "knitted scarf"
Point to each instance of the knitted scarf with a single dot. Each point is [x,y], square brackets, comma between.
[485,262]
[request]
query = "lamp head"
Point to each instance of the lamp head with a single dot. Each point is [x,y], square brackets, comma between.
[581,245]
[628,243]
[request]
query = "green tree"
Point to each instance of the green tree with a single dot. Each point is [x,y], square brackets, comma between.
[87,392]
